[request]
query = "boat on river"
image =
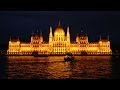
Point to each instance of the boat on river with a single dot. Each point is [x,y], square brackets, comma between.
[68,57]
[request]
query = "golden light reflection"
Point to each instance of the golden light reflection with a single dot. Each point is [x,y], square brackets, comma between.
[59,71]
[90,67]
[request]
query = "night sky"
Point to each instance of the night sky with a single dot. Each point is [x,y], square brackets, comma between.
[94,23]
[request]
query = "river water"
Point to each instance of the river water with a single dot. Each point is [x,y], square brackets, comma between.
[54,67]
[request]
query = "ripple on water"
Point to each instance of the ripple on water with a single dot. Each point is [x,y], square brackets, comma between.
[89,67]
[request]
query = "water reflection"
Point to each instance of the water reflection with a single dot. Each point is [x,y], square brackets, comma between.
[115,68]
[3,68]
[90,67]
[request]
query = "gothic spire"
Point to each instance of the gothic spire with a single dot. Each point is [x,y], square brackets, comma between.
[32,33]
[81,29]
[68,29]
[108,37]
[59,23]
[10,38]
[37,30]
[18,38]
[100,37]
[50,29]
[40,33]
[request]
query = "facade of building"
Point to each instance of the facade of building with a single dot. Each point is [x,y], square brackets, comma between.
[59,43]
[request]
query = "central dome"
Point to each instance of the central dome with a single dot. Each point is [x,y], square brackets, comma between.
[59,29]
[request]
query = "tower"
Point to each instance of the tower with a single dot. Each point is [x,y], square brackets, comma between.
[18,39]
[68,35]
[50,35]
[77,38]
[32,36]
[68,40]
[10,38]
[100,37]
[10,42]
[50,40]
[108,37]
[41,37]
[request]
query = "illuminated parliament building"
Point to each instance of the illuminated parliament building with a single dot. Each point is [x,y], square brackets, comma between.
[59,43]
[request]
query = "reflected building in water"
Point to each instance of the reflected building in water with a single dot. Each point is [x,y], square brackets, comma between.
[85,67]
[59,43]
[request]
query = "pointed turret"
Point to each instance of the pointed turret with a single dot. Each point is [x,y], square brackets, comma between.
[100,37]
[18,39]
[83,34]
[108,37]
[10,38]
[41,37]
[37,33]
[50,35]
[81,29]
[77,38]
[40,33]
[50,32]
[68,33]
[59,23]
[32,33]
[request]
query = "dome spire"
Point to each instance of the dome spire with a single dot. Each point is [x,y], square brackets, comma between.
[59,23]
